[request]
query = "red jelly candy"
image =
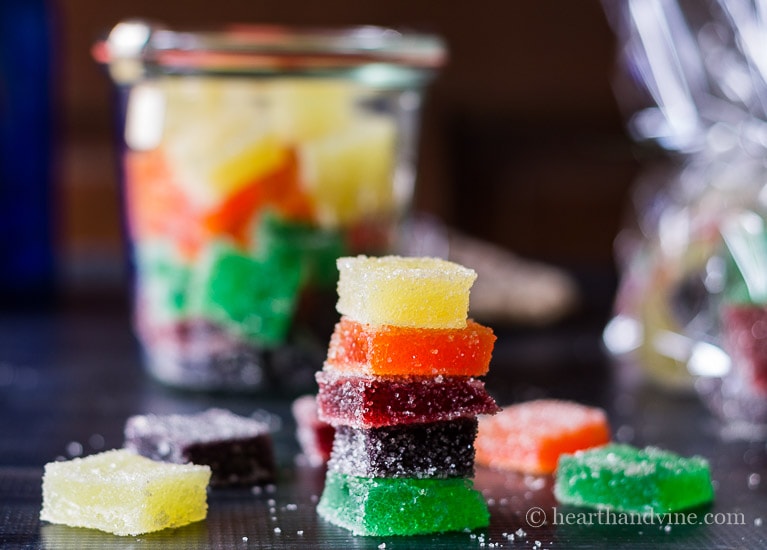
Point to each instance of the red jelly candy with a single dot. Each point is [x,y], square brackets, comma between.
[373,401]
[745,328]
[314,436]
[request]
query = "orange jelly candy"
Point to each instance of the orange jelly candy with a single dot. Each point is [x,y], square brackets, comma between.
[388,350]
[279,189]
[157,205]
[529,437]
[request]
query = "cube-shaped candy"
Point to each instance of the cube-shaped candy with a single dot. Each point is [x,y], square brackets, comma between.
[163,280]
[434,450]
[396,351]
[314,436]
[627,479]
[743,326]
[254,298]
[238,449]
[294,245]
[408,292]
[401,506]
[529,437]
[123,493]
[349,172]
[374,401]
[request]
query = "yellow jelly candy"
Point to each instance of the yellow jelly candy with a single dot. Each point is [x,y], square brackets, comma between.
[123,493]
[349,173]
[216,136]
[256,160]
[303,109]
[407,292]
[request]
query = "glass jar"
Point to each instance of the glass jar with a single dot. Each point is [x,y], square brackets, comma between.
[254,156]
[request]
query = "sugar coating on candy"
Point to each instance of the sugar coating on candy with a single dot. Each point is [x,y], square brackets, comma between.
[529,437]
[434,450]
[396,351]
[314,436]
[744,330]
[302,247]
[374,401]
[409,292]
[401,506]
[123,493]
[624,478]
[238,449]
[254,298]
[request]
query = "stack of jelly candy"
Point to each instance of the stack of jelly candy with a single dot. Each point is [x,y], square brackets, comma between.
[399,387]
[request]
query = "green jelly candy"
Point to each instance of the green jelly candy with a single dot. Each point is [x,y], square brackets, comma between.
[627,479]
[302,247]
[253,298]
[401,506]
[163,279]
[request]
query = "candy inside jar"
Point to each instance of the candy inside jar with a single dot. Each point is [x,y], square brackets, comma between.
[732,361]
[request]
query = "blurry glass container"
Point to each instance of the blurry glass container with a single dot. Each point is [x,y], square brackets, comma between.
[254,157]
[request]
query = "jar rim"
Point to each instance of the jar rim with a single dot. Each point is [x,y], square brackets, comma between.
[253,49]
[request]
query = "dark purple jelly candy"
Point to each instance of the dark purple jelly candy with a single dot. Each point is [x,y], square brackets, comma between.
[238,450]
[436,450]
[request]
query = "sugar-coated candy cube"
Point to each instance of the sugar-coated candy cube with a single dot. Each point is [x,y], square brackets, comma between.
[627,479]
[300,246]
[123,493]
[374,401]
[408,292]
[238,450]
[434,450]
[163,280]
[529,437]
[401,506]
[252,297]
[395,351]
[744,328]
[314,436]
[349,172]
[306,109]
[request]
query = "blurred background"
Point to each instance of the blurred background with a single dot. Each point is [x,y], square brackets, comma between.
[522,142]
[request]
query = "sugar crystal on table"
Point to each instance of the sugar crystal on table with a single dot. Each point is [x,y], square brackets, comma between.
[529,437]
[373,401]
[238,449]
[627,479]
[123,493]
[408,292]
[401,506]
[401,351]
[435,450]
